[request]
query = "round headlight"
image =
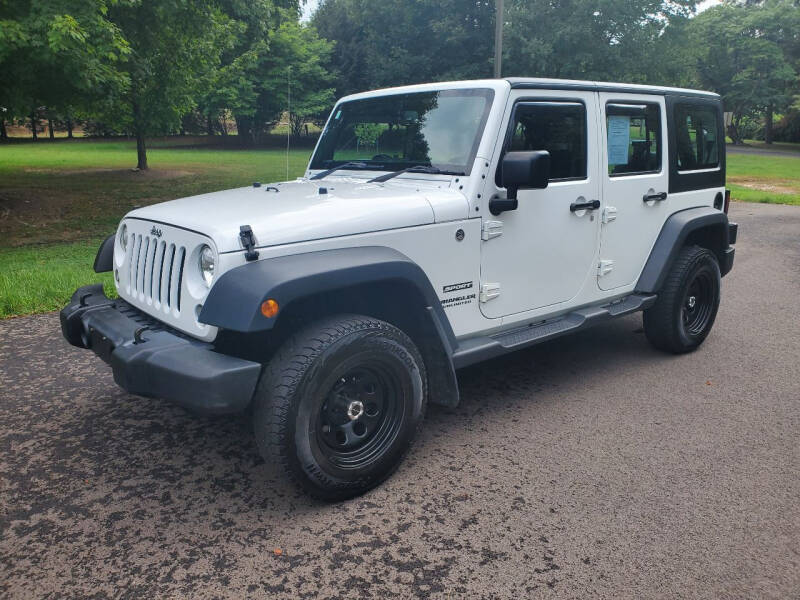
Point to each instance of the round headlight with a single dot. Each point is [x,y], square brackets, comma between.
[207,264]
[123,237]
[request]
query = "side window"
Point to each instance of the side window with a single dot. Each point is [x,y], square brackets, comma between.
[559,128]
[634,138]
[697,137]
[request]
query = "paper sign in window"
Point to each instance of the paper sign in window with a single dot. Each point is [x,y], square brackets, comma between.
[619,139]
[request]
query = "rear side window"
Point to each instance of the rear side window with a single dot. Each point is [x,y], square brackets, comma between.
[697,137]
[633,138]
[559,128]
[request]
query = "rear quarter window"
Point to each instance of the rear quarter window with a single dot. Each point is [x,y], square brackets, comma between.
[696,144]
[697,137]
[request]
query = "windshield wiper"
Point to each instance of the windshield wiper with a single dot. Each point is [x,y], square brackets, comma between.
[347,165]
[417,169]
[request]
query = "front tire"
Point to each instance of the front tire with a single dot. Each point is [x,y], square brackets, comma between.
[687,304]
[339,405]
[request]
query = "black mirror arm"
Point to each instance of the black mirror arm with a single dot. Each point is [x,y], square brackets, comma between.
[501,205]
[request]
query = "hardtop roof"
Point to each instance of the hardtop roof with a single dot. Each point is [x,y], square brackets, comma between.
[602,86]
[535,83]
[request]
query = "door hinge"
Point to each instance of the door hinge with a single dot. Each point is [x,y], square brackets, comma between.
[609,214]
[605,267]
[491,229]
[489,291]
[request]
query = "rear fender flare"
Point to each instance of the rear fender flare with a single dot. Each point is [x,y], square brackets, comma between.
[703,225]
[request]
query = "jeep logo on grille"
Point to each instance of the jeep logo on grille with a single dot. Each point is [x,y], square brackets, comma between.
[155,231]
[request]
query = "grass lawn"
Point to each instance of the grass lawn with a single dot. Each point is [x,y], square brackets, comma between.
[58,200]
[764,178]
[75,190]
[36,279]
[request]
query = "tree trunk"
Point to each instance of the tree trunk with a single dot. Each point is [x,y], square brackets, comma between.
[69,127]
[3,132]
[733,131]
[33,125]
[50,128]
[209,125]
[768,125]
[244,131]
[138,128]
[141,153]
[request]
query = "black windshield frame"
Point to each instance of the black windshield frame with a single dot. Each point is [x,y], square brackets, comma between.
[322,158]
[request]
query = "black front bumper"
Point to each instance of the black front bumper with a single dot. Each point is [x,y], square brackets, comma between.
[149,359]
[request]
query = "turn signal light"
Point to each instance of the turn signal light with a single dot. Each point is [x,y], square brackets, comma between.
[269,308]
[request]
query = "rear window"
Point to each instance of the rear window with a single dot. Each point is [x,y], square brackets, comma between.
[697,137]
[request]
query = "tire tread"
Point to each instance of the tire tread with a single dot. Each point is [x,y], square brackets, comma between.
[660,326]
[281,376]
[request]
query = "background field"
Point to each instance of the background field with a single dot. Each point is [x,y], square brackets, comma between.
[58,200]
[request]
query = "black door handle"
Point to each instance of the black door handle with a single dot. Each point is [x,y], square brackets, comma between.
[590,205]
[655,197]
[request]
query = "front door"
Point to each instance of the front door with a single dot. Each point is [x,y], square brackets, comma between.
[543,253]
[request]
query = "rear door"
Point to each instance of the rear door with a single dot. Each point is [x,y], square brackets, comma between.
[635,184]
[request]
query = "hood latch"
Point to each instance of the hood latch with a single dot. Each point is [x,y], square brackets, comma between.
[249,242]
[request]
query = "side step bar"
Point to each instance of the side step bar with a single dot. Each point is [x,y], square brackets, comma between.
[483,348]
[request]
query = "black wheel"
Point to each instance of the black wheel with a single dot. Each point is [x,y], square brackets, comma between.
[687,304]
[339,405]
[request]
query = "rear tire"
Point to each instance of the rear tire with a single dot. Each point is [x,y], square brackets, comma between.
[339,405]
[687,304]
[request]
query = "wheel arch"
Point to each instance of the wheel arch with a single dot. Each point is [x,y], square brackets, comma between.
[375,281]
[104,260]
[703,226]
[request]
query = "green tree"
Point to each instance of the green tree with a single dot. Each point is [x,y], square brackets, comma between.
[54,53]
[384,43]
[230,85]
[296,67]
[779,22]
[612,40]
[737,58]
[272,53]
[174,45]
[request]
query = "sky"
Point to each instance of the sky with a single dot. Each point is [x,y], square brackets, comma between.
[308,9]
[706,4]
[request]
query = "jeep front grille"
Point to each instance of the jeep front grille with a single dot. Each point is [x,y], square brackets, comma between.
[156,271]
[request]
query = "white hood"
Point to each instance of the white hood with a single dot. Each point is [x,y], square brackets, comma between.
[299,212]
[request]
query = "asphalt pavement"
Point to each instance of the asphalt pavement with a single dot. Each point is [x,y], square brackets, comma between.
[591,466]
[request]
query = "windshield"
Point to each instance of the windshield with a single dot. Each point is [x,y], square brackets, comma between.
[387,133]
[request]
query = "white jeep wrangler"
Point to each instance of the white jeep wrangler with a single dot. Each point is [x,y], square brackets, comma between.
[436,226]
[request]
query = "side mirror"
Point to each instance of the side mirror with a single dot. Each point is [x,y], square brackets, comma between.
[521,171]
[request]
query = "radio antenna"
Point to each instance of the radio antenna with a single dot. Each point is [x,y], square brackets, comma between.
[288,116]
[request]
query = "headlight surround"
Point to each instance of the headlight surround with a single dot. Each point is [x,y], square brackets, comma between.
[207,263]
[123,237]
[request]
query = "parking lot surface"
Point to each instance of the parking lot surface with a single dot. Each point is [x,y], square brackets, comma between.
[591,466]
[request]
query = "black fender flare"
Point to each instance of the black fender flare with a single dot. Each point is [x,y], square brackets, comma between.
[104,261]
[234,301]
[679,229]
